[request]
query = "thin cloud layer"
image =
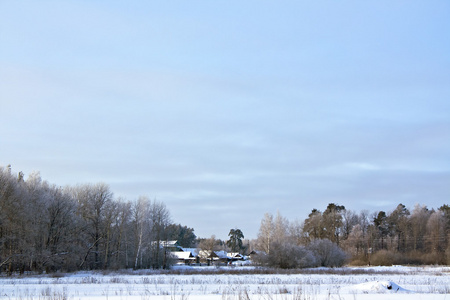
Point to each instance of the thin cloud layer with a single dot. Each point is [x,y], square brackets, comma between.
[226,111]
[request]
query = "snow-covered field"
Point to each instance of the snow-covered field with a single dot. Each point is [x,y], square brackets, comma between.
[412,283]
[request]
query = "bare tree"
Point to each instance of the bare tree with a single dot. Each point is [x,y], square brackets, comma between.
[265,233]
[93,201]
[417,224]
[296,232]
[280,229]
[161,220]
[355,243]
[141,221]
[209,244]
[60,232]
[121,258]
[435,232]
[11,225]
[349,220]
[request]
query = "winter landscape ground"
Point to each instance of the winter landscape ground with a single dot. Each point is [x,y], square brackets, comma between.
[398,282]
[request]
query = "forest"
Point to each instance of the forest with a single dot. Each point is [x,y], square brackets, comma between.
[44,227]
[399,237]
[47,228]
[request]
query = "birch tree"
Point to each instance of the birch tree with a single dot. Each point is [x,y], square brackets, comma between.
[265,233]
[141,225]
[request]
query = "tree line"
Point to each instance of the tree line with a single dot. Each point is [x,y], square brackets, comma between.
[44,227]
[401,236]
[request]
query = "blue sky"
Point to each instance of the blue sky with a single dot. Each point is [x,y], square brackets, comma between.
[225,110]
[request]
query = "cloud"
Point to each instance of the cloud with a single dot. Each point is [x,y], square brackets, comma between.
[225,114]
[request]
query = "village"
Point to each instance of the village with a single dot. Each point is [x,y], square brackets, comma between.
[196,256]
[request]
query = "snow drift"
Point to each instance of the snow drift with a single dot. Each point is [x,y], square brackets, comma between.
[383,286]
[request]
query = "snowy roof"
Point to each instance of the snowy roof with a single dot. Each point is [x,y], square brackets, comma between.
[170,243]
[194,251]
[206,254]
[221,254]
[182,255]
[234,255]
[167,244]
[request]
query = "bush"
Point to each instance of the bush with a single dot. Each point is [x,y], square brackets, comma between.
[328,253]
[287,256]
[359,260]
[383,258]
[290,256]
[389,258]
[434,258]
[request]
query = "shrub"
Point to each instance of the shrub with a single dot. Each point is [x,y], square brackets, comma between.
[434,258]
[360,260]
[290,256]
[387,258]
[328,253]
[287,256]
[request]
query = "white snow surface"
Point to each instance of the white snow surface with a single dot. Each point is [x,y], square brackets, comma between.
[378,287]
[412,283]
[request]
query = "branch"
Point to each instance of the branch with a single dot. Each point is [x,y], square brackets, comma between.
[89,250]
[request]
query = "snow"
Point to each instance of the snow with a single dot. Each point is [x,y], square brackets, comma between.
[379,287]
[412,283]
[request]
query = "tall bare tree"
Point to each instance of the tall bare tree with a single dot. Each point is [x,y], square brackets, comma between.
[265,234]
[161,220]
[435,233]
[93,202]
[417,224]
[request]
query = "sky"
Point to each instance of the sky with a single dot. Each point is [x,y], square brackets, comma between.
[226,110]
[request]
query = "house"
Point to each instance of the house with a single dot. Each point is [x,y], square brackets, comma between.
[222,257]
[194,251]
[196,256]
[233,256]
[214,257]
[183,257]
[171,246]
[206,257]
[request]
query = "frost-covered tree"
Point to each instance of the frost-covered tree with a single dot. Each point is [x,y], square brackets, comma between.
[160,221]
[417,226]
[142,226]
[435,235]
[328,253]
[265,234]
[94,201]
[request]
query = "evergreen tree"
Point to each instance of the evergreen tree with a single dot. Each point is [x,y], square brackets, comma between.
[235,241]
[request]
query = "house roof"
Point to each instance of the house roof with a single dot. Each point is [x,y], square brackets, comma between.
[170,243]
[182,255]
[221,254]
[194,251]
[208,254]
[234,255]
